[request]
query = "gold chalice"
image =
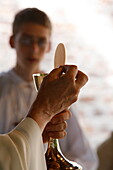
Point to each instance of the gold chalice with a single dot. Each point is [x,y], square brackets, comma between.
[55,160]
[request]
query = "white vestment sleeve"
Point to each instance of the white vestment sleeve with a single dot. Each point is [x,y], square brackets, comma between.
[22,148]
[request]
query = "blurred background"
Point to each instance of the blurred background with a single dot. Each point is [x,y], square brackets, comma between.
[86,29]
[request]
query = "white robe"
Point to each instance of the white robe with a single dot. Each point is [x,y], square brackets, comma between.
[22,148]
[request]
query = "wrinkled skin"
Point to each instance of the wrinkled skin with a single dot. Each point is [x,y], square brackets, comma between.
[57,92]
[56,127]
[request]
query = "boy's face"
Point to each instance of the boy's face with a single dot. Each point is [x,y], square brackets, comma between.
[31,43]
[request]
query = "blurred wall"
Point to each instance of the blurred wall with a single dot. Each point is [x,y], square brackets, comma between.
[86,29]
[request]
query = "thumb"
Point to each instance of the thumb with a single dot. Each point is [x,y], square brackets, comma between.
[56,73]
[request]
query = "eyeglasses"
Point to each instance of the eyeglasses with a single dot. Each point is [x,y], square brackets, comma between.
[29,40]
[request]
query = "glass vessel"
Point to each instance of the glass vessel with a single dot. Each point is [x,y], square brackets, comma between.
[55,160]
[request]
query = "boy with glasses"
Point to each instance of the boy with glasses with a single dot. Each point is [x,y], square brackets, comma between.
[31,39]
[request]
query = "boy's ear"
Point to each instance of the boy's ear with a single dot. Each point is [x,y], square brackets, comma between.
[49,47]
[11,41]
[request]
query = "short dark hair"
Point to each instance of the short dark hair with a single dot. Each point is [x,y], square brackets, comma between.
[31,15]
